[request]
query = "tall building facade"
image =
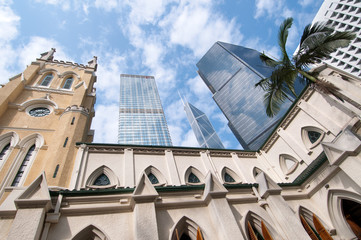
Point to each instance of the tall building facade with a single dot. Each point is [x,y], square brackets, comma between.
[231,72]
[141,116]
[344,15]
[202,127]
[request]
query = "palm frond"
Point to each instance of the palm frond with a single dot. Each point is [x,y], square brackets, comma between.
[268,60]
[318,42]
[282,38]
[263,83]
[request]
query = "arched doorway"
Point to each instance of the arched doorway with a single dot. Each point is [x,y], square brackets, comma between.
[352,213]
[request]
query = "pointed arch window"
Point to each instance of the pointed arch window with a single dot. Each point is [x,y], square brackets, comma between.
[4,151]
[23,166]
[314,227]
[91,232]
[187,229]
[312,136]
[155,176]
[46,80]
[102,177]
[288,164]
[102,180]
[258,228]
[193,176]
[68,82]
[229,176]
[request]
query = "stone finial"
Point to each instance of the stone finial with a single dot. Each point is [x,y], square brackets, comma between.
[48,55]
[93,63]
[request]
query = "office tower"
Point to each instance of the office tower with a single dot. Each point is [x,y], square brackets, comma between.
[343,16]
[141,116]
[231,72]
[202,127]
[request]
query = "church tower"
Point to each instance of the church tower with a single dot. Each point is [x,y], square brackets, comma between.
[44,111]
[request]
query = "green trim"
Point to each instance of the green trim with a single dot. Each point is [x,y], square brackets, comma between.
[283,118]
[179,188]
[92,191]
[162,147]
[87,192]
[240,186]
[311,169]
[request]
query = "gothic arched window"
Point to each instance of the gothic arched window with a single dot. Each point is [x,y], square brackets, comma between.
[46,80]
[23,166]
[68,82]
[4,151]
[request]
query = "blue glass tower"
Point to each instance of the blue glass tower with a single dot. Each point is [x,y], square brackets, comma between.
[202,127]
[141,117]
[231,72]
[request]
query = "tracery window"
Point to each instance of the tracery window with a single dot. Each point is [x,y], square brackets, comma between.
[102,180]
[46,81]
[23,166]
[4,151]
[153,179]
[192,178]
[228,178]
[313,136]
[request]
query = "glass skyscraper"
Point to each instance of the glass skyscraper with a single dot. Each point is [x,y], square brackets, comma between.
[141,116]
[202,127]
[231,72]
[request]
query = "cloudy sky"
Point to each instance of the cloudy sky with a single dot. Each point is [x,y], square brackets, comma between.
[161,38]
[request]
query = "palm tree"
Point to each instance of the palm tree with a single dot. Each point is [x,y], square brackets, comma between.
[317,43]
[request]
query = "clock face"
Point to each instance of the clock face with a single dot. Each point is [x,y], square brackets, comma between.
[39,112]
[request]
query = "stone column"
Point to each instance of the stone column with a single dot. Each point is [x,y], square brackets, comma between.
[278,208]
[220,210]
[172,168]
[129,178]
[145,219]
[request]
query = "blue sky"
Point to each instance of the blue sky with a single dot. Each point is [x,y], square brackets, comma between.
[161,38]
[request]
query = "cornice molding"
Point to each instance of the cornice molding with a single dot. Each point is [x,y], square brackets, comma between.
[49,90]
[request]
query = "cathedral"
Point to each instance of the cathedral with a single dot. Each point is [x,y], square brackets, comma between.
[303,183]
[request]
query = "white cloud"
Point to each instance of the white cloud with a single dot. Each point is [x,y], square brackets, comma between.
[37,45]
[9,23]
[105,123]
[190,140]
[268,7]
[195,25]
[305,3]
[108,5]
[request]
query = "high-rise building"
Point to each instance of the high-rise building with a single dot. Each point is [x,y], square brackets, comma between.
[231,72]
[344,15]
[141,116]
[202,127]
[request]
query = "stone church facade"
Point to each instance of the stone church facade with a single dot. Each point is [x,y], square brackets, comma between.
[303,183]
